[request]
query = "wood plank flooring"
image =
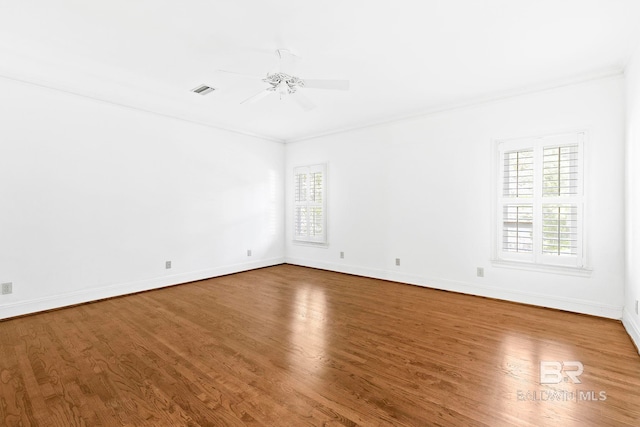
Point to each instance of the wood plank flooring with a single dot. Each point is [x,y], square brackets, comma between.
[292,346]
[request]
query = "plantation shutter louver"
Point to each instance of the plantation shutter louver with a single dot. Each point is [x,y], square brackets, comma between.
[517,182]
[560,171]
[560,229]
[518,228]
[518,174]
[560,221]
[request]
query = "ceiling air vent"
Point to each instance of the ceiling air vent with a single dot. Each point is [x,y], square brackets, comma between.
[203,89]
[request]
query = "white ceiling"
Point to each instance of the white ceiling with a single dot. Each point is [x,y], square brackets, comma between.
[402,57]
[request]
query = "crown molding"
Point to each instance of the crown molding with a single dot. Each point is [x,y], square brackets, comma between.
[495,97]
[98,98]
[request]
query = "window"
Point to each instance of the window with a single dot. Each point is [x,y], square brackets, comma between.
[540,200]
[309,216]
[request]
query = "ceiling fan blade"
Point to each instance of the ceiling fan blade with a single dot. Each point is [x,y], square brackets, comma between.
[305,103]
[257,97]
[288,61]
[233,73]
[326,84]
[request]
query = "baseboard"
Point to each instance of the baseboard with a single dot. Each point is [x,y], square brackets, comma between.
[633,328]
[542,300]
[87,295]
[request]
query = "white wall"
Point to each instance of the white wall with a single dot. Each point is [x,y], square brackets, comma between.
[95,198]
[420,190]
[632,288]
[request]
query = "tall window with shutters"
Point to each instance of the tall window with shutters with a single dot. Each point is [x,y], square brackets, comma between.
[540,212]
[310,208]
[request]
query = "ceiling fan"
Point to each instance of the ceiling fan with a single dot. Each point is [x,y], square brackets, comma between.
[285,84]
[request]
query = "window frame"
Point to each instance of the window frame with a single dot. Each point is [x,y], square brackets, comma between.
[322,239]
[537,260]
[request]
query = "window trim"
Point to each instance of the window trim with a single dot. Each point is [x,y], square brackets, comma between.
[324,242]
[538,263]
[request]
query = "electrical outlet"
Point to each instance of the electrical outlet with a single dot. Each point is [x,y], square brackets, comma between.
[167,264]
[636,306]
[248,252]
[397,261]
[7,288]
[341,255]
[480,272]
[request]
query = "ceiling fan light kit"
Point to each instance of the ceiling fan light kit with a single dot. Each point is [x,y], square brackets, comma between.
[283,83]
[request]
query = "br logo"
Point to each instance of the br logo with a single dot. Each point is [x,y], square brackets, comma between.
[554,372]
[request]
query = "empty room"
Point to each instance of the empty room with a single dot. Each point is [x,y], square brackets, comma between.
[290,213]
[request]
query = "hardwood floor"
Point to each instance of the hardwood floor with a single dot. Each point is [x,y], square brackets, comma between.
[292,346]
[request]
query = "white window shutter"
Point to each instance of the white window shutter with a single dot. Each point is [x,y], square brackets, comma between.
[560,229]
[309,214]
[518,174]
[560,171]
[540,200]
[517,222]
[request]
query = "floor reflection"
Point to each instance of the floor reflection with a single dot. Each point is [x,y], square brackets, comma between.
[308,331]
[521,386]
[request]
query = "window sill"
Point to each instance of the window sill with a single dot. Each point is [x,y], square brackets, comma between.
[543,268]
[312,244]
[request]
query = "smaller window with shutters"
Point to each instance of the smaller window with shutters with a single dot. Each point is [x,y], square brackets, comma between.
[540,212]
[309,204]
